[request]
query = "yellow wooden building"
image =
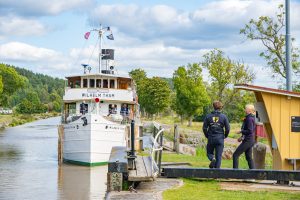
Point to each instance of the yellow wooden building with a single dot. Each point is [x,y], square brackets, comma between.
[279,111]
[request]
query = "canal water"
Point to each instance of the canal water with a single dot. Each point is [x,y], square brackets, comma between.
[29,169]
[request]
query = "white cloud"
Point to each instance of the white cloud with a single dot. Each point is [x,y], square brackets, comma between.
[41,60]
[158,38]
[12,25]
[217,20]
[37,8]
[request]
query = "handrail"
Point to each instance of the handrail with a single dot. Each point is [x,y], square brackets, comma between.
[154,149]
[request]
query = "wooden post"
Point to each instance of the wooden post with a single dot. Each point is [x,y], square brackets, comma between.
[176,138]
[259,155]
[60,146]
[160,152]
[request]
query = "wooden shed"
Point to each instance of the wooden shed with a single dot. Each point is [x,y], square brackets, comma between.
[279,111]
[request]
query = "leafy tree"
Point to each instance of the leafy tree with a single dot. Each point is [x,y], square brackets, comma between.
[155,95]
[1,85]
[191,95]
[140,77]
[33,97]
[56,106]
[38,88]
[224,73]
[270,32]
[11,82]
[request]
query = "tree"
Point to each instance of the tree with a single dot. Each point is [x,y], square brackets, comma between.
[225,73]
[155,95]
[1,85]
[11,82]
[139,76]
[191,95]
[269,31]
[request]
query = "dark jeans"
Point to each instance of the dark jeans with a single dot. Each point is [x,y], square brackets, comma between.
[214,149]
[245,146]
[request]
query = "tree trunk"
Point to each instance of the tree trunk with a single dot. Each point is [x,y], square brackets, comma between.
[181,119]
[190,121]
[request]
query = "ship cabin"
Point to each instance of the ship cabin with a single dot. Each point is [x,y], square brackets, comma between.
[108,95]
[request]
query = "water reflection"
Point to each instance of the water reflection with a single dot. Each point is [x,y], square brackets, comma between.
[29,170]
[89,183]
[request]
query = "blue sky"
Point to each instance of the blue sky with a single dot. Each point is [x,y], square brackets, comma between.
[159,36]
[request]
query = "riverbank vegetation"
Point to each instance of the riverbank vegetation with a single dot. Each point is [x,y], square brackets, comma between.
[188,96]
[19,119]
[29,93]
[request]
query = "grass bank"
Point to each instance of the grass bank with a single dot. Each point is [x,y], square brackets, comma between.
[211,189]
[19,119]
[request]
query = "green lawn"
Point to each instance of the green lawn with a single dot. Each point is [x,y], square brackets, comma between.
[210,189]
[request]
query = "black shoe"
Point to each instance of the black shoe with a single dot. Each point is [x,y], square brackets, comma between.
[212,163]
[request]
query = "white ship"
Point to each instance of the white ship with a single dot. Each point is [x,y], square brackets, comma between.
[97,108]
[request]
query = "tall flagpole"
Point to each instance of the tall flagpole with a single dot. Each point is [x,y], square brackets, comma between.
[288,47]
[100,49]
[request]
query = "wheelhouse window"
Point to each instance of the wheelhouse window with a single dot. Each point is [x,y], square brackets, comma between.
[74,82]
[98,83]
[112,83]
[92,83]
[71,85]
[85,83]
[105,83]
[77,84]
[124,83]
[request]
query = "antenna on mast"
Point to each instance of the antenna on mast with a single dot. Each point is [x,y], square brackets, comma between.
[100,48]
[101,31]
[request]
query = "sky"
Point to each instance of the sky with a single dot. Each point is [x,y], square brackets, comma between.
[158,36]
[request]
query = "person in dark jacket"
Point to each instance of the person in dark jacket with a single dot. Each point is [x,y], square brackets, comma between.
[216,128]
[247,138]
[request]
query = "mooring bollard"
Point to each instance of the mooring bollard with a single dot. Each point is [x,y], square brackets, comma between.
[176,138]
[132,155]
[259,155]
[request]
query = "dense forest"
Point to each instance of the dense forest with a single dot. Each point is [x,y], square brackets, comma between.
[29,92]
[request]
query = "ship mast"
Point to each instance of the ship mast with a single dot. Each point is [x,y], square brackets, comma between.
[100,48]
[101,32]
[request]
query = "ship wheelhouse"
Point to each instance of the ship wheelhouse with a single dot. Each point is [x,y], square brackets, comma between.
[109,95]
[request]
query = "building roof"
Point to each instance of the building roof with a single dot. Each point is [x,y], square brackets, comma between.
[267,90]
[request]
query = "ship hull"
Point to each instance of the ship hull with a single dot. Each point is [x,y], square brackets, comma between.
[90,144]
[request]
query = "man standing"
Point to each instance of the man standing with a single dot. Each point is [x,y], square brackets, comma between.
[216,128]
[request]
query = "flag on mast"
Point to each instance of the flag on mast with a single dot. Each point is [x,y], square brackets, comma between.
[87,35]
[110,36]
